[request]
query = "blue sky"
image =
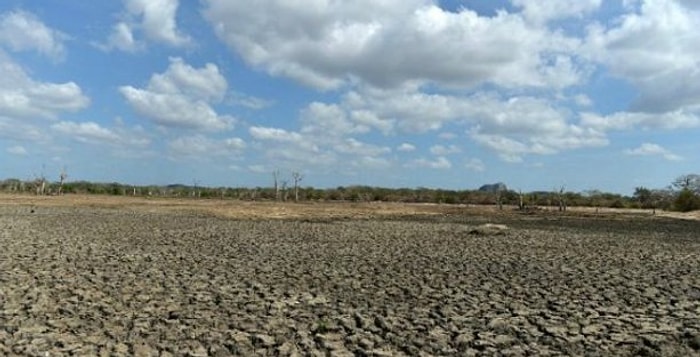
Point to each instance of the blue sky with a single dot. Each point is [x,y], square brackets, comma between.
[588,94]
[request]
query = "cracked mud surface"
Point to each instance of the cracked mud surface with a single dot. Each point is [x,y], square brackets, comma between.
[95,281]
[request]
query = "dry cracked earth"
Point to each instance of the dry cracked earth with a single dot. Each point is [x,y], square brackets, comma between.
[118,282]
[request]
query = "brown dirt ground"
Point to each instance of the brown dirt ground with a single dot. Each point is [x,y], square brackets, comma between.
[121,276]
[289,210]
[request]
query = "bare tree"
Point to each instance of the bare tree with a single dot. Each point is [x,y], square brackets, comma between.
[275,177]
[689,182]
[561,197]
[284,190]
[297,176]
[521,202]
[40,182]
[196,192]
[63,176]
[499,198]
[40,185]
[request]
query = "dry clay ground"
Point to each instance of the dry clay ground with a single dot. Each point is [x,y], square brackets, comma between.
[98,276]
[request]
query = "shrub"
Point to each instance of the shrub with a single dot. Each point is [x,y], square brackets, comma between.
[686,201]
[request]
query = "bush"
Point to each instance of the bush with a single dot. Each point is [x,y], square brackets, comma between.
[686,201]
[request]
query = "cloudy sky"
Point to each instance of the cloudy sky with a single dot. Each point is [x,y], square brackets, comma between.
[589,94]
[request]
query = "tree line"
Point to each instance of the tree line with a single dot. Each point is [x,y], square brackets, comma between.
[682,195]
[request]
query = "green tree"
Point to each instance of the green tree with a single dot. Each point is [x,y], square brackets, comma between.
[686,201]
[644,196]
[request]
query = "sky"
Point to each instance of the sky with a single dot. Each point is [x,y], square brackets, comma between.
[585,94]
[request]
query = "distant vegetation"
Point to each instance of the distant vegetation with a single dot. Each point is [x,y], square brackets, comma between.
[682,195]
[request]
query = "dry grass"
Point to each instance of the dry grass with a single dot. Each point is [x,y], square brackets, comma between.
[288,210]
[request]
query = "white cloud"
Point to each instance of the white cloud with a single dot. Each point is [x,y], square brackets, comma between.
[393,42]
[23,97]
[17,150]
[442,150]
[371,162]
[21,31]
[327,121]
[182,97]
[370,120]
[94,133]
[542,11]
[259,169]
[640,120]
[201,146]
[354,147]
[439,163]
[282,136]
[654,48]
[154,19]
[447,136]
[650,149]
[535,124]
[406,147]
[291,147]
[122,38]
[583,100]
[248,101]
[475,164]
[13,129]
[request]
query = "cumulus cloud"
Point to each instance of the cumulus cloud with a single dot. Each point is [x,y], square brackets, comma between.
[640,120]
[543,11]
[406,147]
[390,43]
[17,150]
[24,97]
[122,38]
[248,101]
[654,47]
[14,130]
[94,133]
[327,121]
[155,19]
[442,150]
[512,126]
[201,146]
[475,164]
[650,149]
[356,147]
[438,163]
[182,97]
[22,31]
[291,147]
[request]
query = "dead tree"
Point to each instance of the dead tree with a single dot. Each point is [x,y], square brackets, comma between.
[521,203]
[284,190]
[62,177]
[275,177]
[40,185]
[196,193]
[297,178]
[561,197]
[499,198]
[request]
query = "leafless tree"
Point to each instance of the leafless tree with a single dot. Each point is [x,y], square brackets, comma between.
[40,183]
[297,176]
[62,177]
[284,190]
[275,177]
[689,182]
[521,202]
[562,199]
[499,198]
[196,192]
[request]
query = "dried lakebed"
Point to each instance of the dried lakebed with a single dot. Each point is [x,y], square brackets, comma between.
[92,281]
